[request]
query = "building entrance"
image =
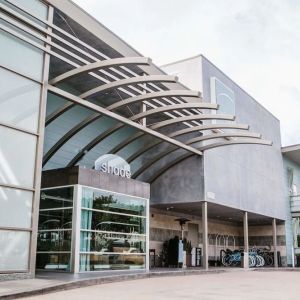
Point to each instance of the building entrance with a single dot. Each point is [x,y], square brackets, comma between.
[84,228]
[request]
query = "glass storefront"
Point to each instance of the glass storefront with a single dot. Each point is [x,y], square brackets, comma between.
[55,229]
[111,229]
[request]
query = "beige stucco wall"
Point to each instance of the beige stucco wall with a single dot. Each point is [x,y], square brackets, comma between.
[221,234]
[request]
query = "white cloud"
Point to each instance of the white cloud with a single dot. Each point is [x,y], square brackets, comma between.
[255,42]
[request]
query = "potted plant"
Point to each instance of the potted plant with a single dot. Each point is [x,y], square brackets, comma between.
[188,249]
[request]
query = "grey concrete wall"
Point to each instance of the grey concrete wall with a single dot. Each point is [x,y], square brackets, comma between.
[184,182]
[248,177]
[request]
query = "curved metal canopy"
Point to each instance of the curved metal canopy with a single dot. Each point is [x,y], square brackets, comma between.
[181,158]
[180,106]
[140,98]
[181,132]
[129,101]
[147,113]
[85,60]
[100,65]
[185,156]
[128,81]
[256,140]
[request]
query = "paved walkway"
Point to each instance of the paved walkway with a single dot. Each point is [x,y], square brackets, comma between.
[264,285]
[47,282]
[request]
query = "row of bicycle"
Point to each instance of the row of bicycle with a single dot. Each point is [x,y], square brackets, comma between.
[257,257]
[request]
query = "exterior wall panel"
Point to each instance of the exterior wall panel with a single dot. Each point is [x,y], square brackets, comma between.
[23,69]
[246,177]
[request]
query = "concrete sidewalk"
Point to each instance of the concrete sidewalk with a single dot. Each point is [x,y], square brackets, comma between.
[47,282]
[245,285]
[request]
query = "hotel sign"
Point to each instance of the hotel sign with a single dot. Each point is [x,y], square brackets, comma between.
[113,164]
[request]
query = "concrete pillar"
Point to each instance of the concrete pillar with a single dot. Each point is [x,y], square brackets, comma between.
[246,241]
[275,243]
[204,236]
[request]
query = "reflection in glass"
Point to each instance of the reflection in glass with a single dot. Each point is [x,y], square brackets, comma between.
[112,242]
[53,261]
[113,231]
[113,202]
[57,198]
[111,222]
[55,219]
[96,262]
[55,229]
[54,241]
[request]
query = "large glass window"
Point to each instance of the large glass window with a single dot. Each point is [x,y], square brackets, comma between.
[113,231]
[17,157]
[16,54]
[55,229]
[17,91]
[14,250]
[35,7]
[15,208]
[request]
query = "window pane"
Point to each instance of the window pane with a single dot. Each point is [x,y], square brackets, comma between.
[112,242]
[35,7]
[15,208]
[113,202]
[16,55]
[113,229]
[57,198]
[55,219]
[112,222]
[55,229]
[54,241]
[95,262]
[17,157]
[14,250]
[53,261]
[17,91]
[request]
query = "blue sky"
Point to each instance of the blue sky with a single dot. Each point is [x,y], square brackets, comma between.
[255,42]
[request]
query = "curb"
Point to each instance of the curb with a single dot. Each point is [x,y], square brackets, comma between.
[103,280]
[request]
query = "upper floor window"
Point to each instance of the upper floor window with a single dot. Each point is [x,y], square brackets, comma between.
[222,95]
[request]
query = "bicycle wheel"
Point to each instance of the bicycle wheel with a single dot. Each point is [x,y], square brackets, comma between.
[226,260]
[259,261]
[268,260]
[252,261]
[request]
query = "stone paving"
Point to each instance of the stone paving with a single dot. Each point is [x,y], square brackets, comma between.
[281,285]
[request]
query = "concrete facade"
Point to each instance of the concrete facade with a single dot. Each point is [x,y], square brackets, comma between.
[253,174]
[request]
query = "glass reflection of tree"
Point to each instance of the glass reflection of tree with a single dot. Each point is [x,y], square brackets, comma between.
[103,202]
[109,203]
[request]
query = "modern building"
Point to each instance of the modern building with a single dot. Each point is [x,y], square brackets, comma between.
[235,179]
[101,150]
[291,160]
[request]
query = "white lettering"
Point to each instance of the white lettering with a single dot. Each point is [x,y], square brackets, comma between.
[113,164]
[103,167]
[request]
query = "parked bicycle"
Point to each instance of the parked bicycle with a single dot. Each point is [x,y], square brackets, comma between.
[257,257]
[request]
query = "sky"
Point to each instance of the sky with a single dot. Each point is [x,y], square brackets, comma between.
[255,42]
